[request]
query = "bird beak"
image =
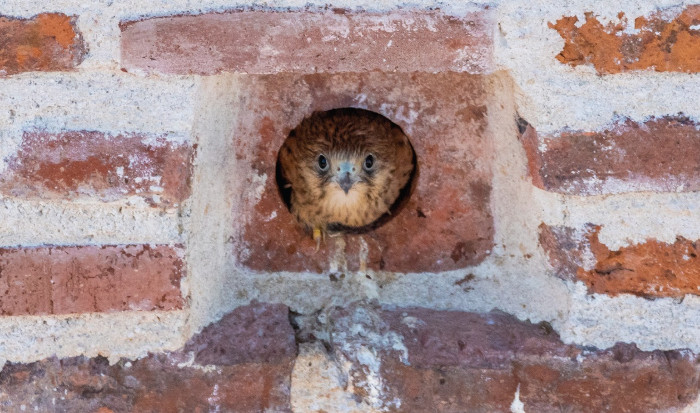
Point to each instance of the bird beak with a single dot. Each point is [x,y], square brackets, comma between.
[346,177]
[346,183]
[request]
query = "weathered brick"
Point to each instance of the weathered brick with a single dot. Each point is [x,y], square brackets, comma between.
[657,155]
[649,269]
[80,279]
[261,333]
[265,41]
[46,42]
[657,43]
[447,222]
[456,361]
[568,249]
[67,165]
[168,382]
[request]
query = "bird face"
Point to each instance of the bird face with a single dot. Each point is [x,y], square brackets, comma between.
[346,182]
[344,167]
[345,170]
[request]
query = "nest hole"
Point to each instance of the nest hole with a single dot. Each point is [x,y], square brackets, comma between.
[336,152]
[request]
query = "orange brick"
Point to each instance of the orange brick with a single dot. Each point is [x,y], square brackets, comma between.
[47,42]
[660,44]
[649,269]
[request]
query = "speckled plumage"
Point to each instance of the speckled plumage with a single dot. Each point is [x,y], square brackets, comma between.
[345,138]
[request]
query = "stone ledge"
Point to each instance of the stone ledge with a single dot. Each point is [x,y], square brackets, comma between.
[414,359]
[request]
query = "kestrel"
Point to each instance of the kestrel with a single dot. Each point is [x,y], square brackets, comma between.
[344,169]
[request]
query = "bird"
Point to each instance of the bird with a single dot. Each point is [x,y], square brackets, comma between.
[344,170]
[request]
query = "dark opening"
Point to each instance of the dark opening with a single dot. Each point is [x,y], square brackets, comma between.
[331,130]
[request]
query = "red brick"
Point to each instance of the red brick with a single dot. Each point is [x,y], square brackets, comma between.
[460,361]
[250,387]
[46,42]
[657,155]
[658,43]
[650,269]
[308,42]
[167,382]
[447,222]
[67,165]
[80,279]
[250,334]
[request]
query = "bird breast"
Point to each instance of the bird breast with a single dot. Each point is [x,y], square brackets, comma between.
[351,209]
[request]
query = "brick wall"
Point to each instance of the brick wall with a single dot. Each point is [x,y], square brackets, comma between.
[545,261]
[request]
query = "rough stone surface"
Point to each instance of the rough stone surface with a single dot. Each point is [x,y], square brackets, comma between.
[80,279]
[446,361]
[650,269]
[657,43]
[486,340]
[262,334]
[567,248]
[447,222]
[657,155]
[67,165]
[167,382]
[308,42]
[47,42]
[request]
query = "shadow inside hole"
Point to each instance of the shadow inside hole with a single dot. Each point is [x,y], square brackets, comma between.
[285,190]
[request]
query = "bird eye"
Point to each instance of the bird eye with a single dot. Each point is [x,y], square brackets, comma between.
[369,162]
[322,163]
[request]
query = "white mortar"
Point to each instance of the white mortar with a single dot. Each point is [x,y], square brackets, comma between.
[549,95]
[26,223]
[107,101]
[114,335]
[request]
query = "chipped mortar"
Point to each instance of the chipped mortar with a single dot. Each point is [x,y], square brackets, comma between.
[56,101]
[553,96]
[188,107]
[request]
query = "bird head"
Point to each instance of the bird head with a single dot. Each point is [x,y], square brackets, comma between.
[344,166]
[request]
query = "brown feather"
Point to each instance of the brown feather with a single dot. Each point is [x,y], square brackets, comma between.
[344,135]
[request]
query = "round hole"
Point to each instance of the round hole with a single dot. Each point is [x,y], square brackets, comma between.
[371,172]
